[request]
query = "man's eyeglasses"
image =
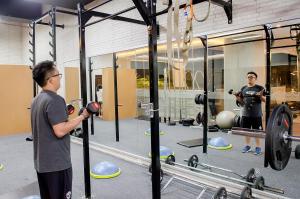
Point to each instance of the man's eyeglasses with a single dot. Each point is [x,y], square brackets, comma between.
[251,77]
[60,76]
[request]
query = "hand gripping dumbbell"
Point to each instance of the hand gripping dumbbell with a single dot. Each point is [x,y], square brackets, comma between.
[92,108]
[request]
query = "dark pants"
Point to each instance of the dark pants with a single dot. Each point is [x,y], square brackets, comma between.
[251,122]
[56,185]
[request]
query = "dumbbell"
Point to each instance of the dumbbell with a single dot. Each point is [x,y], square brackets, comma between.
[239,94]
[70,109]
[92,108]
[231,92]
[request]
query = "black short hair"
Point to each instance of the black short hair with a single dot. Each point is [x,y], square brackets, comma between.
[41,71]
[252,73]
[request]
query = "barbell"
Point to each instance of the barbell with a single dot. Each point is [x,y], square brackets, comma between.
[278,137]
[259,182]
[193,161]
[220,193]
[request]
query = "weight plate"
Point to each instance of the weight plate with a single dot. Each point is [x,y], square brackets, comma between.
[221,193]
[297,152]
[250,177]
[199,118]
[259,183]
[197,98]
[278,149]
[246,193]
[161,173]
[193,161]
[170,160]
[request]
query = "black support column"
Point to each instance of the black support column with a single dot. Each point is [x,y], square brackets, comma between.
[115,69]
[205,111]
[155,155]
[53,27]
[91,92]
[32,51]
[86,156]
[268,32]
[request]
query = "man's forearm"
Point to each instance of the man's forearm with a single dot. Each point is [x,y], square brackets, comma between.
[64,128]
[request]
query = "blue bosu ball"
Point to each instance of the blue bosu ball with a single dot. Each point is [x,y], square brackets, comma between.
[219,143]
[164,152]
[105,170]
[148,132]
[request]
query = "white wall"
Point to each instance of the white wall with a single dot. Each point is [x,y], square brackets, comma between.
[11,43]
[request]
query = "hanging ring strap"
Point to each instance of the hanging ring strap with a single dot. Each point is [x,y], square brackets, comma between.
[169,39]
[170,36]
[176,23]
[193,13]
[187,38]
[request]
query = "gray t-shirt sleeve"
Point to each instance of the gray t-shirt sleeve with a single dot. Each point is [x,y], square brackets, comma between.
[56,111]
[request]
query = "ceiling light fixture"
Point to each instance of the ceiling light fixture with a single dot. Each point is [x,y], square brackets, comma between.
[246,37]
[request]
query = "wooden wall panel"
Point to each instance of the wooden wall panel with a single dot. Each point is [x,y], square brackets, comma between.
[126,93]
[15,99]
[72,87]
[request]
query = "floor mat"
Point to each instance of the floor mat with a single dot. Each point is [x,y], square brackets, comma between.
[191,143]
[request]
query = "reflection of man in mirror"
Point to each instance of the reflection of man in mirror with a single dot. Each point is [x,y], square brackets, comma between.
[99,95]
[250,98]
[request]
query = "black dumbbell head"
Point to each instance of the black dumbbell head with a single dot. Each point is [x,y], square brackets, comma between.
[93,107]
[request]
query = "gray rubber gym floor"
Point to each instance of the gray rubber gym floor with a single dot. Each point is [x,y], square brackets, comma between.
[133,139]
[18,178]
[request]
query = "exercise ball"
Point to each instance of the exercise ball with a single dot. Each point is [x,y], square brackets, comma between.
[225,119]
[219,143]
[104,170]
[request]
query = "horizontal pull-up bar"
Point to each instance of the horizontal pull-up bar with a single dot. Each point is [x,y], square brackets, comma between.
[249,31]
[93,8]
[254,40]
[66,12]
[119,18]
[49,24]
[112,16]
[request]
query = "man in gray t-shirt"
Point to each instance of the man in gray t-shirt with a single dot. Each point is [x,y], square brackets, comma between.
[50,130]
[250,98]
